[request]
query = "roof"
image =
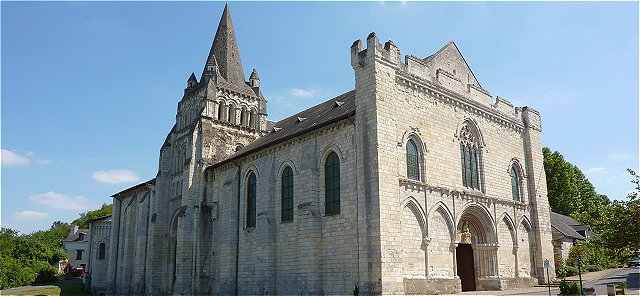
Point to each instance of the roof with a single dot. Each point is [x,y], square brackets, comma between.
[75,236]
[141,185]
[562,224]
[99,218]
[330,111]
[225,51]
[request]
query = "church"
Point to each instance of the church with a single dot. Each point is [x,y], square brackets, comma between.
[417,181]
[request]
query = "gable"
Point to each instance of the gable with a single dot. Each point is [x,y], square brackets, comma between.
[450,59]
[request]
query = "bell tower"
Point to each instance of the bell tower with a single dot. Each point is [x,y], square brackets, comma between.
[218,114]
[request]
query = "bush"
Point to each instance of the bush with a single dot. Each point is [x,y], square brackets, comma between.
[46,273]
[14,274]
[569,288]
[592,268]
[566,270]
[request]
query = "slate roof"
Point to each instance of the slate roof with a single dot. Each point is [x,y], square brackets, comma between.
[225,51]
[333,110]
[150,182]
[565,225]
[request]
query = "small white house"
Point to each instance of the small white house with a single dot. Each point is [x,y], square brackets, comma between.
[77,245]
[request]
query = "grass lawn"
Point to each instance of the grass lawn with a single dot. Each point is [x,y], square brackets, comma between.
[68,287]
[33,290]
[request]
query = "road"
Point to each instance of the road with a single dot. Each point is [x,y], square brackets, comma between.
[597,280]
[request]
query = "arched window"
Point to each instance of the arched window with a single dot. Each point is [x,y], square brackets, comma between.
[101,251]
[231,114]
[251,200]
[471,157]
[515,183]
[332,185]
[244,117]
[221,113]
[252,119]
[413,161]
[286,195]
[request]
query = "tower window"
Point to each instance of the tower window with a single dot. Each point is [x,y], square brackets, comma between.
[515,183]
[471,157]
[413,162]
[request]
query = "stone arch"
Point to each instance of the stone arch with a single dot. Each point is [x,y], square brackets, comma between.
[231,113]
[443,210]
[173,245]
[478,215]
[526,249]
[476,228]
[323,160]
[474,127]
[441,263]
[244,116]
[244,193]
[253,116]
[507,249]
[471,155]
[414,232]
[515,166]
[278,201]
[420,145]
[413,204]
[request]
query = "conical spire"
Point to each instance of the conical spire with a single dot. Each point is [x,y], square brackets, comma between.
[225,51]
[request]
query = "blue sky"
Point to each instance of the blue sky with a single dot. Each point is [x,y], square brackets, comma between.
[89,90]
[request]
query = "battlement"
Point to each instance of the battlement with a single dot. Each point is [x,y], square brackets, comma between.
[446,68]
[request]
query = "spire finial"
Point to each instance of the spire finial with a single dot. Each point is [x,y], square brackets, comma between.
[225,50]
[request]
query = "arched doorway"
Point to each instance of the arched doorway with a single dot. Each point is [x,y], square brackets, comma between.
[476,250]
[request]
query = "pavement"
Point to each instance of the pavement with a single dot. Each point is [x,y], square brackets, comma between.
[597,280]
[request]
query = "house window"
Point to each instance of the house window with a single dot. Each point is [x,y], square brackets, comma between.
[251,200]
[101,251]
[81,236]
[286,195]
[332,185]
[79,254]
[471,157]
[515,183]
[413,164]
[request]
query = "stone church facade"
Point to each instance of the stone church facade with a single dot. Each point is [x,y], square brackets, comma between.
[417,181]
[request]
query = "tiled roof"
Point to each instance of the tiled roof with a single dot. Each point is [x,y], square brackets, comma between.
[333,110]
[561,223]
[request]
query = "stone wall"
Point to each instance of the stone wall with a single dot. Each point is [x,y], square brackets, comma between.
[432,110]
[315,253]
[98,266]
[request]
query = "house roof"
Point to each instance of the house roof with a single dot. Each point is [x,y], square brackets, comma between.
[330,111]
[563,224]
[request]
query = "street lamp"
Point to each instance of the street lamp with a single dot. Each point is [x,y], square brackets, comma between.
[579,262]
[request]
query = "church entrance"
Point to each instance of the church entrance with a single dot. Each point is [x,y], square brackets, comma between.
[465,267]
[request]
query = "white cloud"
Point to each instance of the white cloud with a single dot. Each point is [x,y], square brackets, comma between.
[30,215]
[11,158]
[115,176]
[303,93]
[62,201]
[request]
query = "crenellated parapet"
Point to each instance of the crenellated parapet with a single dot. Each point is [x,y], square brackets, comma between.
[446,70]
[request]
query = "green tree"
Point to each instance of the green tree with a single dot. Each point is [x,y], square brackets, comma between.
[83,221]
